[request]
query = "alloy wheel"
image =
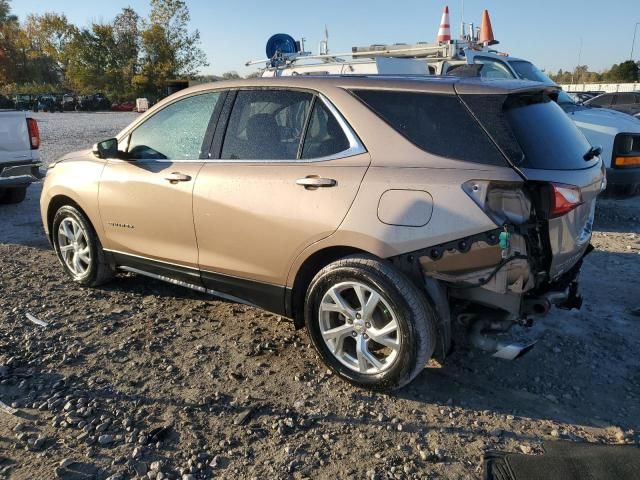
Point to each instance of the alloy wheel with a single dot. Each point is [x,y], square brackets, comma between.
[359,327]
[73,245]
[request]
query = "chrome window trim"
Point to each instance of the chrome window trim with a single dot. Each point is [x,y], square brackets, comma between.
[355,145]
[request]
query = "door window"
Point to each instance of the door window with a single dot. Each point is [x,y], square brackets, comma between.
[492,68]
[625,98]
[325,136]
[266,125]
[176,132]
[602,100]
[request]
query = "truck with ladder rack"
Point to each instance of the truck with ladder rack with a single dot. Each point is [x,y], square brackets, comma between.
[616,133]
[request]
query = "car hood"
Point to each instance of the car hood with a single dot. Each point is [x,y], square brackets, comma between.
[605,119]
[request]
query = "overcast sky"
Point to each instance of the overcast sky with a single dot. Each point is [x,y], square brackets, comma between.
[547,32]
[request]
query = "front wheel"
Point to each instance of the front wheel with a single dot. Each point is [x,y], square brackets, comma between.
[369,323]
[78,248]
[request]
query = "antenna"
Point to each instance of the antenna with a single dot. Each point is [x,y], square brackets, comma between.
[324,44]
[461,19]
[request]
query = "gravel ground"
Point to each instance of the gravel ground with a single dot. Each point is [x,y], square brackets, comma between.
[139,377]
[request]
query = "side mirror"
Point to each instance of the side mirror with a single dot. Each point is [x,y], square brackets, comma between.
[107,149]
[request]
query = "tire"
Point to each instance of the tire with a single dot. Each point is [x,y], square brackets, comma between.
[413,340]
[94,268]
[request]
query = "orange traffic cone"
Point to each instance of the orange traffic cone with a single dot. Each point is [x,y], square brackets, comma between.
[486,32]
[444,33]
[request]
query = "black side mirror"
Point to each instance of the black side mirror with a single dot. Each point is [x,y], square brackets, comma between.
[107,149]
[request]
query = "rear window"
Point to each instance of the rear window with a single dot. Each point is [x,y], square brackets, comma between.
[532,130]
[547,136]
[437,123]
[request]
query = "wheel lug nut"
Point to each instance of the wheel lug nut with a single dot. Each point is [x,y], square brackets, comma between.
[358,316]
[365,335]
[354,334]
[368,325]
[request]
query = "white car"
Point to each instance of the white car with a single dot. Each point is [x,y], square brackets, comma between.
[19,157]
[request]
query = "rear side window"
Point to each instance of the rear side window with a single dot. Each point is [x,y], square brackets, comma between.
[437,123]
[602,100]
[176,132]
[548,137]
[324,135]
[266,125]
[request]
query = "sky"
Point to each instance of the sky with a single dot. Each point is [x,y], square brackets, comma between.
[547,32]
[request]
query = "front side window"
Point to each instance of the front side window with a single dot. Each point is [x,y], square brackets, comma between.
[176,132]
[324,135]
[437,123]
[266,125]
[492,68]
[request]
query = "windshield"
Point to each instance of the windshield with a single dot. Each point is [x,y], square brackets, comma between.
[528,71]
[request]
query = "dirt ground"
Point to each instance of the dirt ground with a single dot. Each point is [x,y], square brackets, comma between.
[140,379]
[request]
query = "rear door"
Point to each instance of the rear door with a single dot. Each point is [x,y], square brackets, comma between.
[288,169]
[146,199]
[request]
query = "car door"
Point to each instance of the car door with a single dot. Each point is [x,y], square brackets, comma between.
[287,172]
[145,199]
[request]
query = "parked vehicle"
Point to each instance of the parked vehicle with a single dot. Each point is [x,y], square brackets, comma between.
[6,103]
[24,101]
[69,102]
[581,97]
[93,102]
[627,102]
[380,213]
[617,133]
[49,103]
[123,107]
[19,158]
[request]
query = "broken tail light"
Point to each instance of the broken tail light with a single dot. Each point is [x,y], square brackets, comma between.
[34,133]
[564,198]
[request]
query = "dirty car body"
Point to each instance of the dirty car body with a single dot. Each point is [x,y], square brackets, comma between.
[377,212]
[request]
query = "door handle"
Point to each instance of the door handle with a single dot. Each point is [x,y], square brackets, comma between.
[175,177]
[313,182]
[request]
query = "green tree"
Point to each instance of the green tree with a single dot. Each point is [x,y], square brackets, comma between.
[49,34]
[232,75]
[623,72]
[5,13]
[169,49]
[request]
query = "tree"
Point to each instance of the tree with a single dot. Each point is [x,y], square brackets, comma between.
[5,13]
[624,72]
[232,75]
[49,34]
[169,50]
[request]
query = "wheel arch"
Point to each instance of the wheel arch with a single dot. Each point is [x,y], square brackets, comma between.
[59,201]
[305,273]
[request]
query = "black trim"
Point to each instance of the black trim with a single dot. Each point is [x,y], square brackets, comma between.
[623,176]
[221,128]
[177,272]
[205,149]
[264,295]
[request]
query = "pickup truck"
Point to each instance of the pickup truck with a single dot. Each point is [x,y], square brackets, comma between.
[19,156]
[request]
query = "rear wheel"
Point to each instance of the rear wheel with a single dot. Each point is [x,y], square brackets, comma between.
[78,248]
[369,323]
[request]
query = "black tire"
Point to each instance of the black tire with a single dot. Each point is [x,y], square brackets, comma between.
[99,270]
[12,195]
[415,317]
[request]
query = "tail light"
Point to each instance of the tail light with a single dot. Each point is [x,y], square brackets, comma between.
[564,198]
[34,133]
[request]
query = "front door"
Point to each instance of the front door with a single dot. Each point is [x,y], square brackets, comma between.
[146,200]
[288,171]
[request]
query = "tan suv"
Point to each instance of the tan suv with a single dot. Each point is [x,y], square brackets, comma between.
[384,214]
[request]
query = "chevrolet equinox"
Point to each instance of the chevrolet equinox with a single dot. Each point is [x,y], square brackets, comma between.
[388,215]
